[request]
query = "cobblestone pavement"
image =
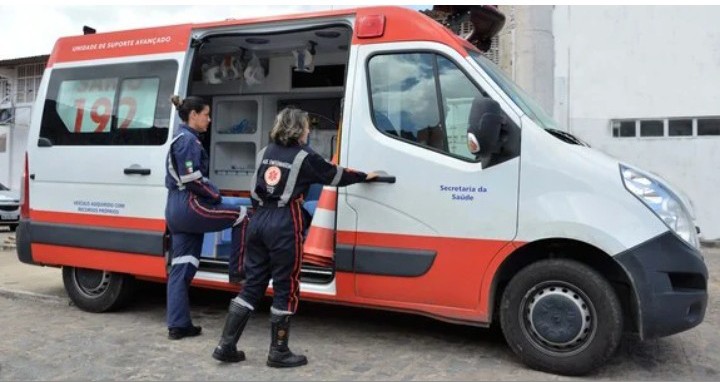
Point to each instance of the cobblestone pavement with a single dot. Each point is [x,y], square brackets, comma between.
[45,338]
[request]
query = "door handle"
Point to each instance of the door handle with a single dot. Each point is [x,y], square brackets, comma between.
[136,171]
[382,179]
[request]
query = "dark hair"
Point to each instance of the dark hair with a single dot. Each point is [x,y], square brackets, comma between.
[185,106]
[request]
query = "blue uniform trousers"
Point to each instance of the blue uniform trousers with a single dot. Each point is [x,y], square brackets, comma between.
[274,248]
[188,218]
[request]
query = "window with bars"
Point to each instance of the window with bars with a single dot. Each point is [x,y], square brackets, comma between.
[666,127]
[651,128]
[708,126]
[623,128]
[493,54]
[28,81]
[680,127]
[5,90]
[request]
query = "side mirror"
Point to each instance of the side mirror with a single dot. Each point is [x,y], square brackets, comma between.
[485,125]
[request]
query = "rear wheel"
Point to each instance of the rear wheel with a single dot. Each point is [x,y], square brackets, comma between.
[561,316]
[13,227]
[96,291]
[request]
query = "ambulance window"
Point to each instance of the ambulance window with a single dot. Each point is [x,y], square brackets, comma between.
[407,102]
[126,104]
[404,98]
[458,93]
[138,98]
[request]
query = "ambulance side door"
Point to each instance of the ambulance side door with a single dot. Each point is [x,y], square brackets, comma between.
[98,165]
[427,238]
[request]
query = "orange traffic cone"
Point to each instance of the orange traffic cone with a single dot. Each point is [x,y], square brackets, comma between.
[319,247]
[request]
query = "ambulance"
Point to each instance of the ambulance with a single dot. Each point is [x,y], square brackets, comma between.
[560,245]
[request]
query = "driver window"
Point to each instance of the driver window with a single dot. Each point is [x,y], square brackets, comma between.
[458,93]
[423,99]
[404,96]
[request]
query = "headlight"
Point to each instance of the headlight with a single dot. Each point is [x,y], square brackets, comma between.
[662,201]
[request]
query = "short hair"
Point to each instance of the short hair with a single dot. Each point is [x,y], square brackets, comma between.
[288,127]
[185,106]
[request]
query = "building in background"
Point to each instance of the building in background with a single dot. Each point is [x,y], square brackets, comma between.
[637,82]
[19,83]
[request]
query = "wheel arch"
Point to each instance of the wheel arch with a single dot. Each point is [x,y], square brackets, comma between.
[559,248]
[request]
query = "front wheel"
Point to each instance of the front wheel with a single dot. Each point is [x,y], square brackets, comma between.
[561,316]
[96,291]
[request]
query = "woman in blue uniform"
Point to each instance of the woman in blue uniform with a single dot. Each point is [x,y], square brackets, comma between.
[274,238]
[194,206]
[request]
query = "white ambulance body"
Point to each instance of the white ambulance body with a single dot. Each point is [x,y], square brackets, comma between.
[565,246]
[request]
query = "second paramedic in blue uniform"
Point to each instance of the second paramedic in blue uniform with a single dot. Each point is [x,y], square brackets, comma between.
[274,242]
[194,206]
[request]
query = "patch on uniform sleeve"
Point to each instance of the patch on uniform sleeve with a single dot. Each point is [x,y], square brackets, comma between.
[272,176]
[188,166]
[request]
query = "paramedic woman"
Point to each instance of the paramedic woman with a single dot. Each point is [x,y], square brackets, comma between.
[274,238]
[194,206]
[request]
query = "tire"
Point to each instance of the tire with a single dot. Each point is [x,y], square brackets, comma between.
[13,227]
[561,316]
[97,291]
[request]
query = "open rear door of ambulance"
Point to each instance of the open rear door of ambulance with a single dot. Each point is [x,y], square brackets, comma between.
[97,160]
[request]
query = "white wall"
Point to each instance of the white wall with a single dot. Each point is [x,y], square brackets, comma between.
[526,50]
[18,145]
[13,158]
[5,156]
[615,62]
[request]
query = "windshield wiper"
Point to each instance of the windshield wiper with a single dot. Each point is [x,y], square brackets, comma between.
[567,137]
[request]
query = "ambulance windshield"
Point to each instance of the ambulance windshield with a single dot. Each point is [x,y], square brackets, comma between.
[522,99]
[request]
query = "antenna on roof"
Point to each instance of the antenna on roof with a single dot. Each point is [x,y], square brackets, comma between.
[88,30]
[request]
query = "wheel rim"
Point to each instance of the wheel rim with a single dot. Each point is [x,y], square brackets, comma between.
[90,282]
[558,318]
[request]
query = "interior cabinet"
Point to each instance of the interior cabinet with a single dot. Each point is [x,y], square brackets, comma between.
[234,141]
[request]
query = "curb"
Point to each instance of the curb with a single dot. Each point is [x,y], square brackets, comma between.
[23,295]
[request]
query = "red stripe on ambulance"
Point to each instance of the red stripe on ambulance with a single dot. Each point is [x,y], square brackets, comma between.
[135,42]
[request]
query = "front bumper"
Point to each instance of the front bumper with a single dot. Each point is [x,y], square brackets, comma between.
[669,278]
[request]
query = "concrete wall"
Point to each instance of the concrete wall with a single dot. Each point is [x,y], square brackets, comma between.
[526,50]
[5,155]
[17,148]
[12,161]
[13,158]
[614,62]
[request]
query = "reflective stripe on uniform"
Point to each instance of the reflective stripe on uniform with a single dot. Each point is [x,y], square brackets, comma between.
[186,259]
[244,303]
[190,177]
[279,312]
[292,178]
[258,160]
[338,176]
[171,166]
[241,217]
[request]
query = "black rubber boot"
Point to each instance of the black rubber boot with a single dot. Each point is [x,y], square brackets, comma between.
[237,318]
[280,355]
